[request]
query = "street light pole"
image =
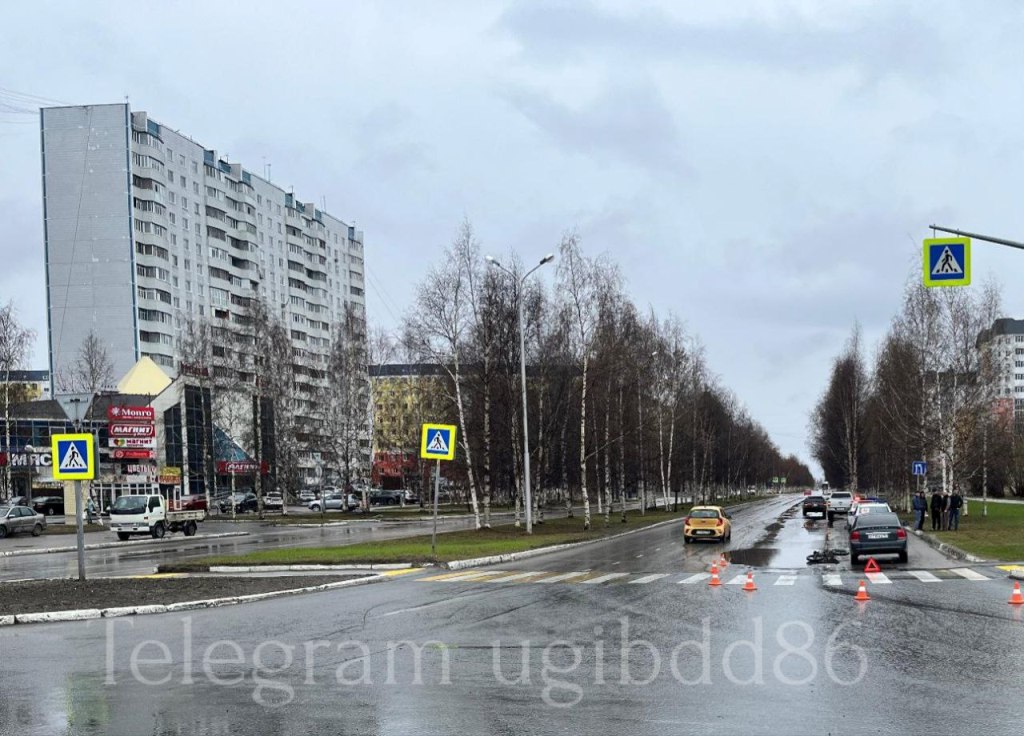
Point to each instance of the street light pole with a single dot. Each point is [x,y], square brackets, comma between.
[527,493]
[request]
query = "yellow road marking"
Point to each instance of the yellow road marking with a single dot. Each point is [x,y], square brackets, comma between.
[159,576]
[392,573]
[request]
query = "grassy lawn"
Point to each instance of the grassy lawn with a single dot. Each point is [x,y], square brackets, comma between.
[450,545]
[57,529]
[1000,535]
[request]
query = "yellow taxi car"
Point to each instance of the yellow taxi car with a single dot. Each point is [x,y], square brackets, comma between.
[707,522]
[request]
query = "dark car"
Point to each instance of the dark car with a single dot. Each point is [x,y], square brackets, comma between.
[194,502]
[243,502]
[48,505]
[14,519]
[878,534]
[815,504]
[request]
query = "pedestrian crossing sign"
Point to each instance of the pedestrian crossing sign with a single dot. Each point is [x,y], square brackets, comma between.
[947,262]
[73,457]
[438,442]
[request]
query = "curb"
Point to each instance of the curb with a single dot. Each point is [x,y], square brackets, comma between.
[111,545]
[94,613]
[954,553]
[306,568]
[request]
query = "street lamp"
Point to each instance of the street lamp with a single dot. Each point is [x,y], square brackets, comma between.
[522,369]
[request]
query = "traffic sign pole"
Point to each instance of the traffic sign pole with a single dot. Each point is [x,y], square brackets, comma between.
[437,489]
[80,530]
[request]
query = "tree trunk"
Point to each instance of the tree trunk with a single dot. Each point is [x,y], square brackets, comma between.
[487,447]
[465,444]
[583,445]
[622,456]
[608,456]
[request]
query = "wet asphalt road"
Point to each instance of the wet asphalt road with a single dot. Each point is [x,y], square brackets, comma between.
[933,653]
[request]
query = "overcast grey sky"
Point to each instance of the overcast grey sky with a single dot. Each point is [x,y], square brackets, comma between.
[766,170]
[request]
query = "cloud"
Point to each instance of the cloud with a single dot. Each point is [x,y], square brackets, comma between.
[626,122]
[879,40]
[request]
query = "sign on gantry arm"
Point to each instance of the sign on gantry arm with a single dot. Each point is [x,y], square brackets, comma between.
[947,262]
[73,457]
[438,442]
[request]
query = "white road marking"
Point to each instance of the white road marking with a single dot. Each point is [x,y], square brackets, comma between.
[786,580]
[738,580]
[563,576]
[468,575]
[605,578]
[617,563]
[924,576]
[639,556]
[966,572]
[833,579]
[878,578]
[518,576]
[695,578]
[648,578]
[657,549]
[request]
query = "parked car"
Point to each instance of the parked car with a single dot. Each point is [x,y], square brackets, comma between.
[242,502]
[815,504]
[306,495]
[707,522]
[18,501]
[867,507]
[330,502]
[354,501]
[48,505]
[192,502]
[273,502]
[877,533]
[15,519]
[838,502]
[411,496]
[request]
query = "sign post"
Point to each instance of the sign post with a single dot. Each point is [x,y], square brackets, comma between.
[437,443]
[74,458]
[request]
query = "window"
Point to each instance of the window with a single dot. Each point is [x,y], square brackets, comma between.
[195,187]
[184,184]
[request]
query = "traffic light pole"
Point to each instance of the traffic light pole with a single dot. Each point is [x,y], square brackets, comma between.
[975,236]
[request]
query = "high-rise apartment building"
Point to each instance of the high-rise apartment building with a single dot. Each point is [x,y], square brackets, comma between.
[146,229]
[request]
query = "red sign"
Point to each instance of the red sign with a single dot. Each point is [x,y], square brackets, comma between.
[132,430]
[131,413]
[132,454]
[240,467]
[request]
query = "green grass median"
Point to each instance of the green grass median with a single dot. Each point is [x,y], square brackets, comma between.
[997,536]
[457,545]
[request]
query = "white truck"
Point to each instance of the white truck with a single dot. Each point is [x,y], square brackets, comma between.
[149,514]
[839,502]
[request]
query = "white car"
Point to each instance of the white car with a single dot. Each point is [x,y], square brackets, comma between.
[330,502]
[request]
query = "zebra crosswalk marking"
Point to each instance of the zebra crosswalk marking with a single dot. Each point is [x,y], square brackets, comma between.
[738,580]
[605,578]
[517,576]
[786,580]
[694,578]
[564,576]
[924,576]
[878,578]
[461,576]
[648,578]
[833,580]
[968,573]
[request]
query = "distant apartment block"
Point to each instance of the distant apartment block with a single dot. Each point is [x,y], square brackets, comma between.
[145,228]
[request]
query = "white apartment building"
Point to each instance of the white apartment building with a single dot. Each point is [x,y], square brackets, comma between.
[1007,334]
[145,229]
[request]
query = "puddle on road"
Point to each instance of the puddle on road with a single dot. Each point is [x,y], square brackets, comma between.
[754,557]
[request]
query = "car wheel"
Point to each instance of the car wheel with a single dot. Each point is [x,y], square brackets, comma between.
[3,532]
[686,539]
[190,528]
[903,556]
[37,530]
[123,536]
[314,507]
[158,531]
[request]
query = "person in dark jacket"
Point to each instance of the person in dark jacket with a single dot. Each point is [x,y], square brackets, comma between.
[956,502]
[920,506]
[937,504]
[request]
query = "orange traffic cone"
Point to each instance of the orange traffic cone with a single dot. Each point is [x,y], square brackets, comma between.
[1016,599]
[862,593]
[749,585]
[722,562]
[714,581]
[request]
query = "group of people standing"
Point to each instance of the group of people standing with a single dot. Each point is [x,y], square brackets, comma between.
[944,507]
